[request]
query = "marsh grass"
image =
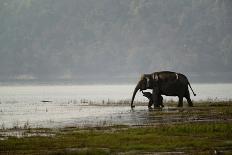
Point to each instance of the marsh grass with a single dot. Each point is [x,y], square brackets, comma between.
[110,102]
[169,103]
[191,136]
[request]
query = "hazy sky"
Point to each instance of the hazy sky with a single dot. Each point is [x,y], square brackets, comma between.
[114,40]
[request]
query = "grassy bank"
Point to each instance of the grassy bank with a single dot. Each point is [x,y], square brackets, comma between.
[196,137]
[206,136]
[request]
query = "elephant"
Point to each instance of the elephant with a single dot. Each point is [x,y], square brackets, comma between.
[165,83]
[149,96]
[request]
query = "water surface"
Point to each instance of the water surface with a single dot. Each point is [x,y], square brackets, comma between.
[69,106]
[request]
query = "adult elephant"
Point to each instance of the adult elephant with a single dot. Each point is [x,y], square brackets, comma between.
[165,83]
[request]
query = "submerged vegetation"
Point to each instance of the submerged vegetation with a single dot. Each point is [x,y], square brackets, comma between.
[203,129]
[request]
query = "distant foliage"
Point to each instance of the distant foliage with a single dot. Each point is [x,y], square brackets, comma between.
[49,39]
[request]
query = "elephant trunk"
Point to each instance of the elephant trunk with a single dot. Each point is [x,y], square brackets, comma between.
[134,93]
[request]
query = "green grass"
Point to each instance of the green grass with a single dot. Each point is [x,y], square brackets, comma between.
[192,136]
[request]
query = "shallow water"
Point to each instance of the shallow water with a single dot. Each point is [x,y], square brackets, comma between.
[21,106]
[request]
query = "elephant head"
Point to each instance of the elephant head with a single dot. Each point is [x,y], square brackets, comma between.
[144,83]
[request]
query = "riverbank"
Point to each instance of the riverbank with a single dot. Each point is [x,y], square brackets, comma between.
[203,129]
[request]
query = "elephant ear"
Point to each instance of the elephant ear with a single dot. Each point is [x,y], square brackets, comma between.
[155,77]
[147,82]
[142,77]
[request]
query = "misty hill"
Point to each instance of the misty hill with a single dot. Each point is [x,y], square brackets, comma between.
[101,40]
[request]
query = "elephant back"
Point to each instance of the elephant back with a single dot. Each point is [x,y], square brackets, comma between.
[166,76]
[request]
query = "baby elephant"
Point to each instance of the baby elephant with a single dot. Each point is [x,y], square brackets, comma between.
[149,96]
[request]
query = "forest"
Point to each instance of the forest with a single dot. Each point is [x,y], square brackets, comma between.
[114,40]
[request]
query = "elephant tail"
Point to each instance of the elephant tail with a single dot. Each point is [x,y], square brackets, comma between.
[191,89]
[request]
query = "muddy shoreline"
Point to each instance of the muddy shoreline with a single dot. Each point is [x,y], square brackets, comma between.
[203,129]
[51,115]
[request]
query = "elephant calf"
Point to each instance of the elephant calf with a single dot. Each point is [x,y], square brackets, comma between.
[150,98]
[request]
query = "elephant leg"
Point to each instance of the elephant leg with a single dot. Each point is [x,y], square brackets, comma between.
[161,101]
[156,101]
[187,96]
[180,104]
[155,98]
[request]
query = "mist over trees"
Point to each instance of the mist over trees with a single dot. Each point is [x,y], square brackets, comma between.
[115,40]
